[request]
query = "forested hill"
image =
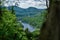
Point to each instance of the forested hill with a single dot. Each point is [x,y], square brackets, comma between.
[25,12]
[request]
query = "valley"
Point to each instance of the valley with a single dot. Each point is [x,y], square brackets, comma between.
[31,15]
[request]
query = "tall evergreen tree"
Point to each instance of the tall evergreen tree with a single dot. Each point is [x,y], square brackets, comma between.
[12,9]
[1,2]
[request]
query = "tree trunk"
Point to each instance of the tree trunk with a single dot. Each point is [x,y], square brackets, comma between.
[50,29]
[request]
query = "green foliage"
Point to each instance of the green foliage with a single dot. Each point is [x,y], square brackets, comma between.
[36,34]
[37,20]
[7,24]
[10,29]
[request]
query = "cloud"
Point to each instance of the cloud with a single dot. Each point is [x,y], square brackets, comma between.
[27,3]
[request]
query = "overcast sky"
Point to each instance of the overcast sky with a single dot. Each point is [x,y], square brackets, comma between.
[40,4]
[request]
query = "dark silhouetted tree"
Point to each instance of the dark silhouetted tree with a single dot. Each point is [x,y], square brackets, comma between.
[50,29]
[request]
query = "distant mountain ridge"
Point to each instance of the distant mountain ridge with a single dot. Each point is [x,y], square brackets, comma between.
[25,12]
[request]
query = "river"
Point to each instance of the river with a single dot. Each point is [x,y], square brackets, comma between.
[26,25]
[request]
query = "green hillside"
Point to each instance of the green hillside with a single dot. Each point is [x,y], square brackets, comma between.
[36,20]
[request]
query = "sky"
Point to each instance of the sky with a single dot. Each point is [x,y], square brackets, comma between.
[40,4]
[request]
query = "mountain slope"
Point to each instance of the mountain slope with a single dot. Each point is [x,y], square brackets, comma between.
[25,12]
